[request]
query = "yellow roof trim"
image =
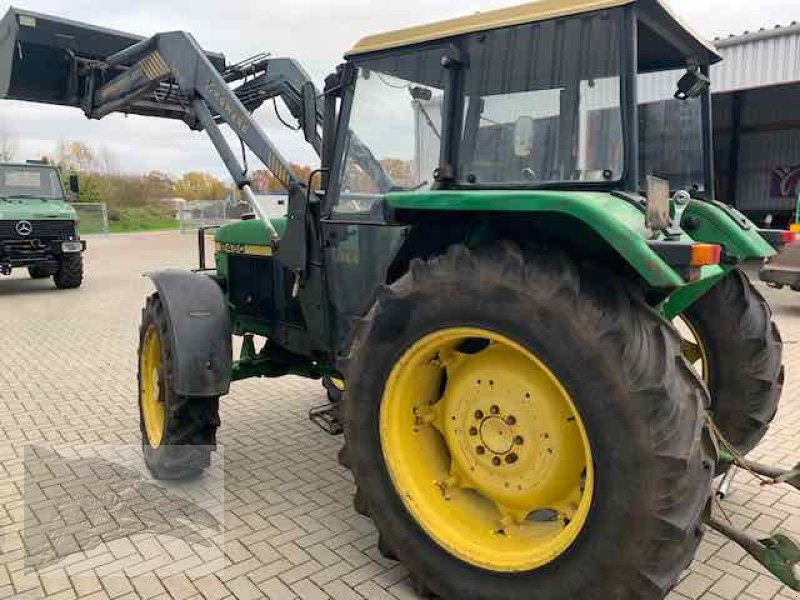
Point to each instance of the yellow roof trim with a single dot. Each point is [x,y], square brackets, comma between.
[504,17]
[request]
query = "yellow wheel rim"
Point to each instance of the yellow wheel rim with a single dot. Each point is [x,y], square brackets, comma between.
[694,351]
[151,397]
[486,449]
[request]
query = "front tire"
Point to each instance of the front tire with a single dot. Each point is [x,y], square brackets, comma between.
[650,451]
[70,272]
[741,352]
[178,432]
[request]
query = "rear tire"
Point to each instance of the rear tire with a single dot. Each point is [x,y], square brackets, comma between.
[70,272]
[185,436]
[642,406]
[744,352]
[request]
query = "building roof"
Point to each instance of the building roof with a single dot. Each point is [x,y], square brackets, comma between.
[763,33]
[761,58]
[530,12]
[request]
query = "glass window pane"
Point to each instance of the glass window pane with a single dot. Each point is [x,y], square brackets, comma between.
[395,128]
[670,133]
[544,103]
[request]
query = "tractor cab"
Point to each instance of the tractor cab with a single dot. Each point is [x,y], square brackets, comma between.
[473,124]
[548,95]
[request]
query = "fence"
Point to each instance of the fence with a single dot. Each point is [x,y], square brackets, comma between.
[202,213]
[92,217]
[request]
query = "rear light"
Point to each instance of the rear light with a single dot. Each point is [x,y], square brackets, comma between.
[687,258]
[705,254]
[789,237]
[794,227]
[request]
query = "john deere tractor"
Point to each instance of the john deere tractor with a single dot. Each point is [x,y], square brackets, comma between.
[511,261]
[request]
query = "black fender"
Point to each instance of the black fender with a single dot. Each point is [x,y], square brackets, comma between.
[200,331]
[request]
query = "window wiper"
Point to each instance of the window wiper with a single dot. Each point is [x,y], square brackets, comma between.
[34,196]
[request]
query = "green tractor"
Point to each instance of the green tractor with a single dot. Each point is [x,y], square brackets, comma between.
[511,272]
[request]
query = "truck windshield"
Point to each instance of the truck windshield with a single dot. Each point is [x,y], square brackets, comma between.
[30,182]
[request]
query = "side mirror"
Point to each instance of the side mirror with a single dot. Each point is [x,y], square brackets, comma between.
[523,137]
[309,97]
[74,184]
[692,84]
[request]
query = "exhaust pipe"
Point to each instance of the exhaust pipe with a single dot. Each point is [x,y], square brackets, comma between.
[725,483]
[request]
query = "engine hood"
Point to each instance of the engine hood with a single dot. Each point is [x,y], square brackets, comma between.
[32,209]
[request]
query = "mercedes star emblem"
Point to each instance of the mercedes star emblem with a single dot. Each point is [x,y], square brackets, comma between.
[24,228]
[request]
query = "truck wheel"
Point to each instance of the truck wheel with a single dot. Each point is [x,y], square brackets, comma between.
[733,342]
[519,426]
[178,432]
[70,272]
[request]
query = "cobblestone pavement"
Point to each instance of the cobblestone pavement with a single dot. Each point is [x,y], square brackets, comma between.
[67,381]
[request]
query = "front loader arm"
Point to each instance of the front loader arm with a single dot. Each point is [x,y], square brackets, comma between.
[176,59]
[56,61]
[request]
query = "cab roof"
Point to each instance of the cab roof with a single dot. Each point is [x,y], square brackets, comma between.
[532,12]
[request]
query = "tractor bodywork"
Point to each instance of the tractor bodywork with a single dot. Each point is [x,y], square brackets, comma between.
[503,201]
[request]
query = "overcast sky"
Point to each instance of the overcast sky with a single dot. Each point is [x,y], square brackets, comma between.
[316,32]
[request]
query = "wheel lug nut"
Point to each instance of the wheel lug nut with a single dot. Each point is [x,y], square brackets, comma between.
[473,431]
[494,409]
[511,458]
[519,440]
[479,414]
[496,461]
[511,420]
[480,450]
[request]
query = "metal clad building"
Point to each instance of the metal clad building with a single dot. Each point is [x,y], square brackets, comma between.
[757,121]
[763,58]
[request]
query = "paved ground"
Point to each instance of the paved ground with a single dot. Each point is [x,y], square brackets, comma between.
[67,389]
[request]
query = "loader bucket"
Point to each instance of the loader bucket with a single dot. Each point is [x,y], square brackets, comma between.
[39,55]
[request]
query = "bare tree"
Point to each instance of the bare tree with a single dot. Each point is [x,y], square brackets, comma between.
[107,161]
[76,156]
[9,143]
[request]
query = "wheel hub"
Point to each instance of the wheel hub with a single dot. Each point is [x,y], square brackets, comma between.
[496,435]
[495,444]
[508,453]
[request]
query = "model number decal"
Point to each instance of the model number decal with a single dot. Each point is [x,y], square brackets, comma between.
[247,249]
[231,248]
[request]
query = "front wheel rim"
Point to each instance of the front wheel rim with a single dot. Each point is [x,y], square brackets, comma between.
[486,450]
[151,396]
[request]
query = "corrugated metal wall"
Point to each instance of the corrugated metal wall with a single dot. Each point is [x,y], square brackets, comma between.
[758,59]
[770,138]
[764,67]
